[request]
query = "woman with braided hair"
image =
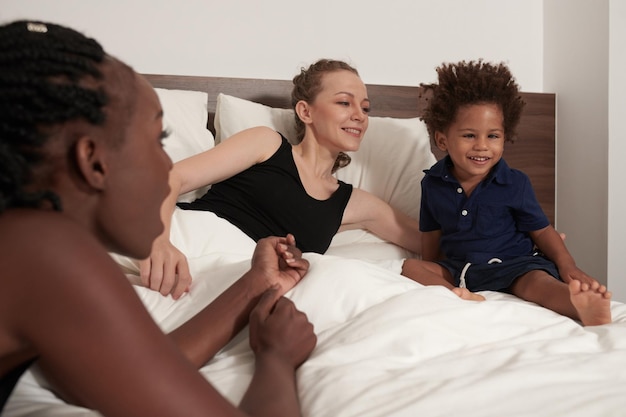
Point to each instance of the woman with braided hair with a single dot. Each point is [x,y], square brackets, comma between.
[72,121]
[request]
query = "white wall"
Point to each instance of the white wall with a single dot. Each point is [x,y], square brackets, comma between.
[617,150]
[576,66]
[391,42]
[585,63]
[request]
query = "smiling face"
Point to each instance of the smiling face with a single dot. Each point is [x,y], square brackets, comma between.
[338,117]
[474,141]
[129,211]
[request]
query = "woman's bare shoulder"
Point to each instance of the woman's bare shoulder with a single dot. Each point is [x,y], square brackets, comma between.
[60,268]
[26,232]
[49,249]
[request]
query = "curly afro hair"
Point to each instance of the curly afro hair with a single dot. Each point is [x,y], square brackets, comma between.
[473,82]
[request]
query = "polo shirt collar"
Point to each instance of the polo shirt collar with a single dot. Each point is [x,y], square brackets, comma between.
[500,173]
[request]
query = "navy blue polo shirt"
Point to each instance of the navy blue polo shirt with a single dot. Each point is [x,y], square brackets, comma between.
[492,223]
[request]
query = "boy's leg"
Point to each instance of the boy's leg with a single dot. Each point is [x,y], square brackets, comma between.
[427,273]
[575,300]
[431,273]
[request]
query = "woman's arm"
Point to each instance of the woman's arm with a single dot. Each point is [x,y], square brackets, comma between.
[96,340]
[431,246]
[166,270]
[365,210]
[231,156]
[276,263]
[93,337]
[273,385]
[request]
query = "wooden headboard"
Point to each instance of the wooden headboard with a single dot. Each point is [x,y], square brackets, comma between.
[533,152]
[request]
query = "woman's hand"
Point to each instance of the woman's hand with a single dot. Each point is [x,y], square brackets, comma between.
[278,328]
[277,261]
[166,270]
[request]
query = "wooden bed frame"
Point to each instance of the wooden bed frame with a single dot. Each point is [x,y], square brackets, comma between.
[533,152]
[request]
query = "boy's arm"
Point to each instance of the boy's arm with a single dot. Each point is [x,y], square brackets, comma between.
[551,244]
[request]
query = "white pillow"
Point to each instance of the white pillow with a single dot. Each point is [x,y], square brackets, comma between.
[185,117]
[233,114]
[389,162]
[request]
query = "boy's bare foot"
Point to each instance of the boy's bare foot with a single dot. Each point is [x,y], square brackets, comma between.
[593,306]
[466,294]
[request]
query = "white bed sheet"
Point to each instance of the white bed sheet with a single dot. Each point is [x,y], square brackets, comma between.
[388,346]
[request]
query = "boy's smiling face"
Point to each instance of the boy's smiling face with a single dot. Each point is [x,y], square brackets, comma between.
[474,141]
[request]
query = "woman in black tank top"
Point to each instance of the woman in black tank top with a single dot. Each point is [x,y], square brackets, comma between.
[266,186]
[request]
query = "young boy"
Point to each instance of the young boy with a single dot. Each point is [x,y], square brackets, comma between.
[480,220]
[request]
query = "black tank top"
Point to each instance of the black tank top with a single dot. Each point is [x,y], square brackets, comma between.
[268,199]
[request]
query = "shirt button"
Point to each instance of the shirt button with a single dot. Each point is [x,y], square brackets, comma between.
[464,212]
[459,190]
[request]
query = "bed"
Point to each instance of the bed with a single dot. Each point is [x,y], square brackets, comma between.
[387,346]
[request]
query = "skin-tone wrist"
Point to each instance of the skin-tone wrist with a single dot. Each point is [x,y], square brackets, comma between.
[233,307]
[273,387]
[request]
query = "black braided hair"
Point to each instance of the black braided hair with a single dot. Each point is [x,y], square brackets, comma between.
[41,67]
[307,85]
[474,82]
